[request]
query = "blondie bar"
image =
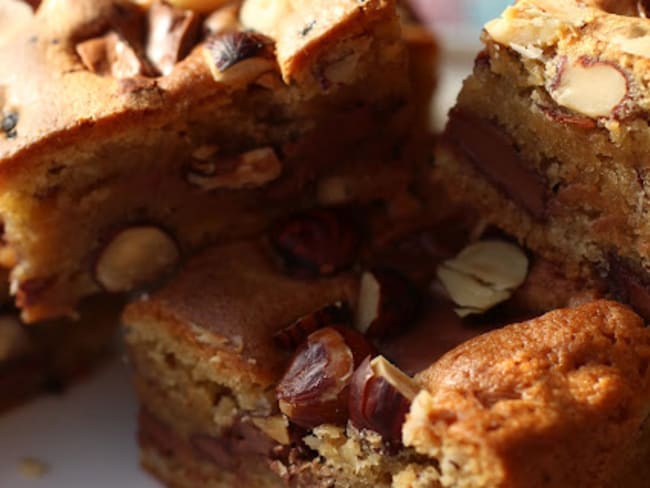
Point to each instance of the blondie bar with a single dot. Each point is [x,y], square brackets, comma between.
[134,133]
[247,373]
[549,136]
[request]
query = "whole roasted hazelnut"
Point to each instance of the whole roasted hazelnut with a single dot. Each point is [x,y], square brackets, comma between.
[135,256]
[295,334]
[316,243]
[314,389]
[388,303]
[380,397]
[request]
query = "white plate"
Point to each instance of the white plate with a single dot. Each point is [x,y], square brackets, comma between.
[86,436]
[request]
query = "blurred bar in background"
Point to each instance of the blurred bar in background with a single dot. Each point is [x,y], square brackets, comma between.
[469,13]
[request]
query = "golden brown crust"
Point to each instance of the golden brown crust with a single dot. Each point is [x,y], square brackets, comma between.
[556,401]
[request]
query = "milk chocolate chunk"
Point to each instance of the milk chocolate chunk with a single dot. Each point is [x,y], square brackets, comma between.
[172,34]
[495,155]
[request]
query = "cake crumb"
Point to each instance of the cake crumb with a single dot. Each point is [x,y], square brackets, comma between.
[33,468]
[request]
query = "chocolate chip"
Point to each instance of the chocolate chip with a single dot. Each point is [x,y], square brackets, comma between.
[229,48]
[495,154]
[9,123]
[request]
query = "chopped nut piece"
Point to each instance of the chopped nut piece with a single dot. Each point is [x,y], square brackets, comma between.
[135,256]
[388,303]
[251,169]
[594,89]
[111,55]
[172,33]
[380,398]
[276,427]
[483,275]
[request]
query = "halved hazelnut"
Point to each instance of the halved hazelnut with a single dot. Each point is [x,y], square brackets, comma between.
[388,303]
[314,389]
[295,334]
[592,88]
[135,256]
[251,169]
[316,243]
[229,48]
[380,398]
[483,275]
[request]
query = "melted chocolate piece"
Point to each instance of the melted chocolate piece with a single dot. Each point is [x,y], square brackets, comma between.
[495,155]
[630,286]
[240,440]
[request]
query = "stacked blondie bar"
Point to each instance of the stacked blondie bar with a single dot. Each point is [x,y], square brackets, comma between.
[311,302]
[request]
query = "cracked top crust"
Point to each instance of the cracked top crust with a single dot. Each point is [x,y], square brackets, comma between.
[556,401]
[55,94]
[590,57]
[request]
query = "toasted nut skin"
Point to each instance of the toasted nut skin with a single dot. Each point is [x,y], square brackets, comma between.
[296,333]
[379,403]
[314,389]
[388,303]
[316,243]
[229,48]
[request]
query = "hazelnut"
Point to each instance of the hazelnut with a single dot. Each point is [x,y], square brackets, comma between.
[314,389]
[316,243]
[388,303]
[135,256]
[111,55]
[251,169]
[229,48]
[172,33]
[295,334]
[483,275]
[380,397]
[591,88]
